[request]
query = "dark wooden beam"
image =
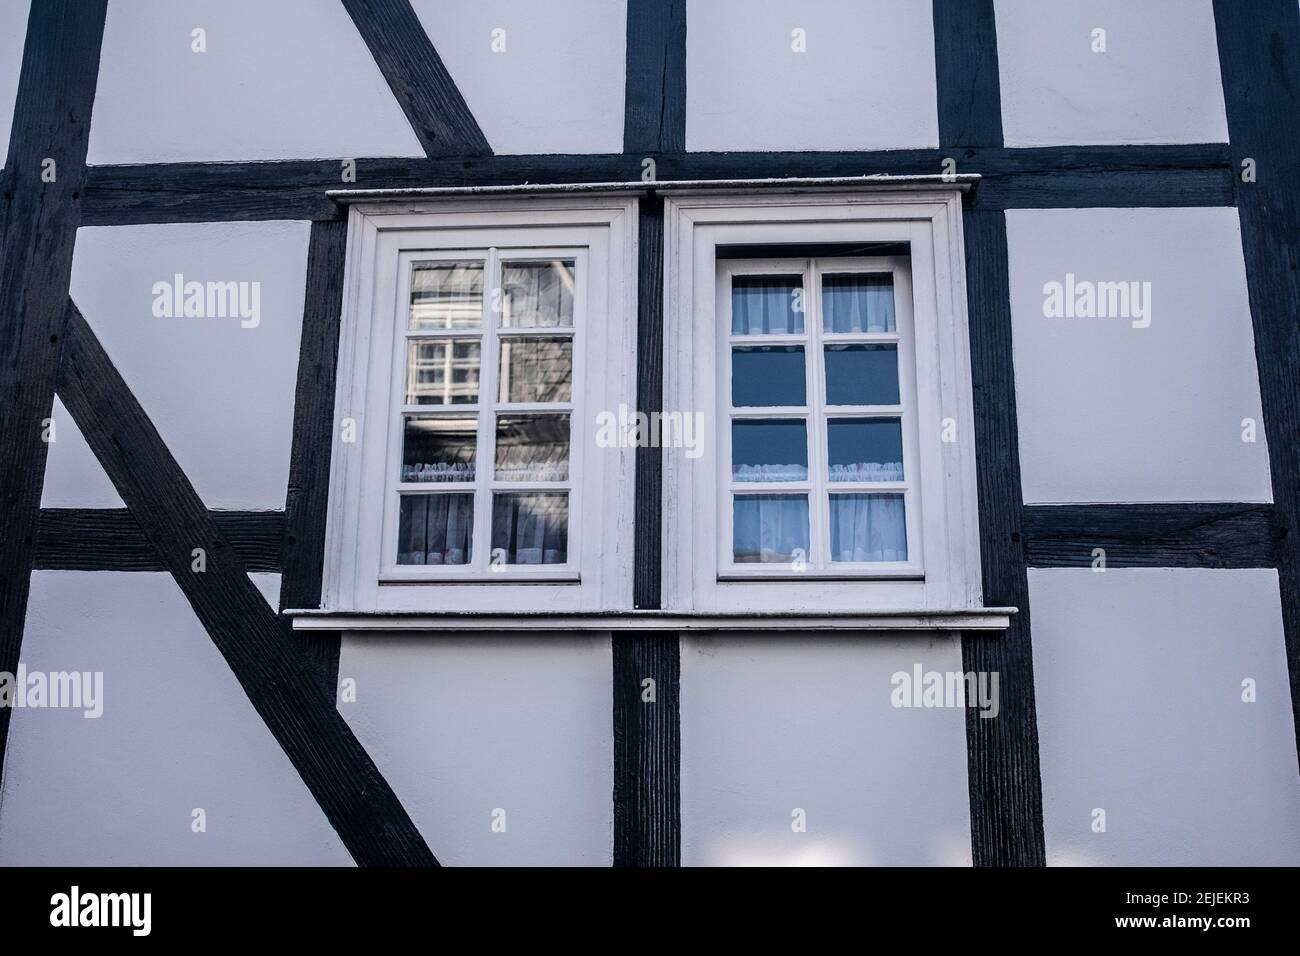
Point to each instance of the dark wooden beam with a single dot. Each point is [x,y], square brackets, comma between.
[654,119]
[110,539]
[966,73]
[313,436]
[415,73]
[1039,177]
[38,227]
[1184,535]
[647,750]
[1006,804]
[648,493]
[280,680]
[1259,60]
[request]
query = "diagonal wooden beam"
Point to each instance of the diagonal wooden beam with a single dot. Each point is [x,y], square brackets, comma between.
[415,73]
[277,675]
[42,184]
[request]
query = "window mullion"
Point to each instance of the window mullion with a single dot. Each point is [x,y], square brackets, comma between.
[818,507]
[487,377]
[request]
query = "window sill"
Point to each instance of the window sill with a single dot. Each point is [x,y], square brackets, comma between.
[964,619]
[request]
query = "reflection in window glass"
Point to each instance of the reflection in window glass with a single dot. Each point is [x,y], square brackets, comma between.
[862,375]
[442,371]
[537,294]
[530,529]
[868,528]
[769,450]
[536,369]
[768,375]
[769,529]
[532,448]
[767,305]
[865,449]
[438,449]
[446,295]
[858,303]
[435,529]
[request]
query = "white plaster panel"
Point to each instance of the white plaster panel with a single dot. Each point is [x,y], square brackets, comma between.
[221,395]
[1138,675]
[554,83]
[865,81]
[462,726]
[1113,412]
[74,478]
[13,33]
[285,80]
[1157,81]
[177,733]
[774,723]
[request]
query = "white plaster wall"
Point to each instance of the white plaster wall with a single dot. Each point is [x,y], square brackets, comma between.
[1110,412]
[13,32]
[461,726]
[556,87]
[1157,82]
[177,732]
[282,80]
[1138,675]
[774,723]
[220,395]
[866,80]
[74,478]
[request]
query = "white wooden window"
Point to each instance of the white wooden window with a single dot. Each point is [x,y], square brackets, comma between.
[479,341]
[818,436]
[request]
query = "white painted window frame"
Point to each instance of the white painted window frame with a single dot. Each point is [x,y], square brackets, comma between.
[383,238]
[696,527]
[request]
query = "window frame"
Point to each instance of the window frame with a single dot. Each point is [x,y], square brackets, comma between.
[384,238]
[927,218]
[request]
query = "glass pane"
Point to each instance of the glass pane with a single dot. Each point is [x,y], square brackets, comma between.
[533,448]
[769,450]
[438,449]
[435,529]
[865,449]
[536,370]
[861,375]
[766,305]
[858,303]
[537,294]
[769,529]
[446,295]
[769,375]
[442,371]
[868,528]
[530,529]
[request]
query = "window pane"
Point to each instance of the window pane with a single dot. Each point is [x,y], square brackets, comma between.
[537,294]
[435,529]
[533,448]
[438,449]
[442,371]
[769,375]
[530,529]
[865,449]
[858,303]
[446,295]
[536,370]
[861,375]
[766,305]
[769,450]
[769,529]
[868,528]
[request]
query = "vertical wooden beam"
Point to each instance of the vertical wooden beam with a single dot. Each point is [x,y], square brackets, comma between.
[1259,59]
[966,67]
[654,118]
[648,544]
[38,227]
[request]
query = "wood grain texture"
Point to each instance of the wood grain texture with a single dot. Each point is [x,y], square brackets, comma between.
[1259,59]
[648,493]
[1006,804]
[307,499]
[1183,535]
[966,73]
[56,89]
[1039,177]
[415,73]
[278,677]
[110,539]
[655,92]
[647,751]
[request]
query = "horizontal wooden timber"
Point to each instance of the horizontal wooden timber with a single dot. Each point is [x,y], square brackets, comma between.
[110,539]
[1040,177]
[1184,535]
